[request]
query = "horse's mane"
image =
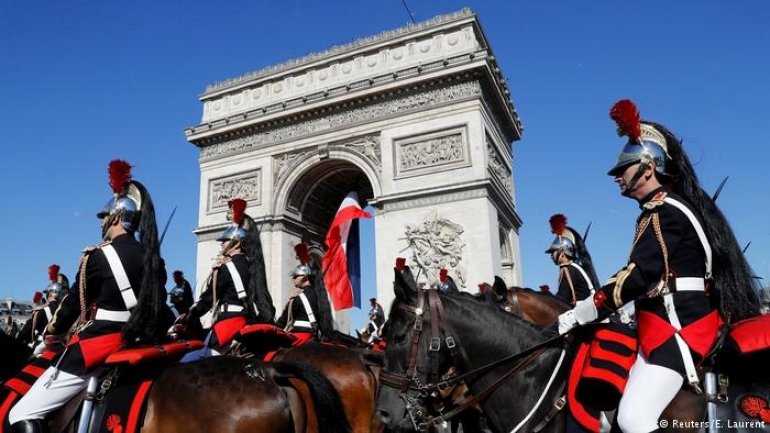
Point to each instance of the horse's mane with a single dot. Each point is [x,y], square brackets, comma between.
[547,297]
[510,327]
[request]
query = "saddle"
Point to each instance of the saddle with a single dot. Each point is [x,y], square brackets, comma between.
[120,391]
[264,340]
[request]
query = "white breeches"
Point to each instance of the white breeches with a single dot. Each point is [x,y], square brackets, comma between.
[649,390]
[42,399]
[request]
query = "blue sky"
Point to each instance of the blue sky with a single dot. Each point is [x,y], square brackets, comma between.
[88,81]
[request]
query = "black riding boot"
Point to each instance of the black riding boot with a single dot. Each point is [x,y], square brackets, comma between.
[30,426]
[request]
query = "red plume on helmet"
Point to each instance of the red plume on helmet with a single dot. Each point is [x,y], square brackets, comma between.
[37,297]
[558,224]
[443,274]
[302,253]
[53,273]
[238,206]
[120,175]
[626,115]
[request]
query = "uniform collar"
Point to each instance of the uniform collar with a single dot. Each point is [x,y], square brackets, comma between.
[653,195]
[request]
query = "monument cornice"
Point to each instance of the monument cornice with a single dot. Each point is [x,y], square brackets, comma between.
[373,108]
[447,44]
[343,51]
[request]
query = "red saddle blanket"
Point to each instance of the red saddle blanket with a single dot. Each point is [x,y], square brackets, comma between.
[16,387]
[171,351]
[751,335]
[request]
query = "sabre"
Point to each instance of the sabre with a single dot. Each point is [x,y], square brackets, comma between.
[165,229]
[588,229]
[719,189]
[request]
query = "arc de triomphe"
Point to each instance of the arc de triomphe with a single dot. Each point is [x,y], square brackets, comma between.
[418,120]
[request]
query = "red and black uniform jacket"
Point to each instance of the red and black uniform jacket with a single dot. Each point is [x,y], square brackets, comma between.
[644,271]
[34,328]
[298,312]
[100,338]
[221,298]
[579,283]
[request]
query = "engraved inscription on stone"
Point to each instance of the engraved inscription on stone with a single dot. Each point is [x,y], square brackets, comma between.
[247,186]
[369,113]
[436,243]
[431,152]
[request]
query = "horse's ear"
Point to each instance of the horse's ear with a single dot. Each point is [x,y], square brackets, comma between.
[500,289]
[403,285]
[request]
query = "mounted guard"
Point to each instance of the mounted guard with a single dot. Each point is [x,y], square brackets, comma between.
[577,277]
[118,299]
[33,331]
[236,290]
[685,272]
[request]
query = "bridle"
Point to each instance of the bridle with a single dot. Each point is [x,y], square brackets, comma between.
[413,389]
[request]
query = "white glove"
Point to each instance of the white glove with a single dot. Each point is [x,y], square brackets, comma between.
[567,322]
[584,312]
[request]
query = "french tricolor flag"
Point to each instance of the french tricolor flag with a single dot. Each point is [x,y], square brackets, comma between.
[341,263]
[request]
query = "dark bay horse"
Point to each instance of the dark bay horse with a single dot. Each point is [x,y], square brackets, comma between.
[14,357]
[233,395]
[353,374]
[514,394]
[516,370]
[538,308]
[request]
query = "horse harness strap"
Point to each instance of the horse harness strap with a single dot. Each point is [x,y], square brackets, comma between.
[558,405]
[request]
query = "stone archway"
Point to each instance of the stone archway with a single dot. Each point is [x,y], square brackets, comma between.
[417,119]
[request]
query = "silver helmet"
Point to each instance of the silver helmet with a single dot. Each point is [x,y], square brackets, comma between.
[645,143]
[301,270]
[59,282]
[126,202]
[239,224]
[565,239]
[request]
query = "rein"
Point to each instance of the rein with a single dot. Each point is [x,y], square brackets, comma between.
[410,380]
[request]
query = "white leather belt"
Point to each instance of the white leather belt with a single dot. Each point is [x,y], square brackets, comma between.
[302,324]
[690,284]
[230,308]
[112,316]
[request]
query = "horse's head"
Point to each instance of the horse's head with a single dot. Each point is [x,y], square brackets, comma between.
[417,356]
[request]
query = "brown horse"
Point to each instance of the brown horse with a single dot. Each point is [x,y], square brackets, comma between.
[539,308]
[352,373]
[232,395]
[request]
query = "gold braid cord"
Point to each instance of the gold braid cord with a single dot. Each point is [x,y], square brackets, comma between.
[663,248]
[82,278]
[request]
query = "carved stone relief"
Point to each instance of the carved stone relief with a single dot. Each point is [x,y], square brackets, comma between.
[247,186]
[498,168]
[431,152]
[367,145]
[285,162]
[368,113]
[436,243]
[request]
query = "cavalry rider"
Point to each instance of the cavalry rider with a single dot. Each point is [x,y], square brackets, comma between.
[181,296]
[374,325]
[118,299]
[33,330]
[577,277]
[300,315]
[236,290]
[684,269]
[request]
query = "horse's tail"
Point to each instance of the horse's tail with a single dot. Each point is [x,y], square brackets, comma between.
[327,402]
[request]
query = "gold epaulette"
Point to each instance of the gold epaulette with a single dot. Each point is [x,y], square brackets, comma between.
[92,248]
[656,201]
